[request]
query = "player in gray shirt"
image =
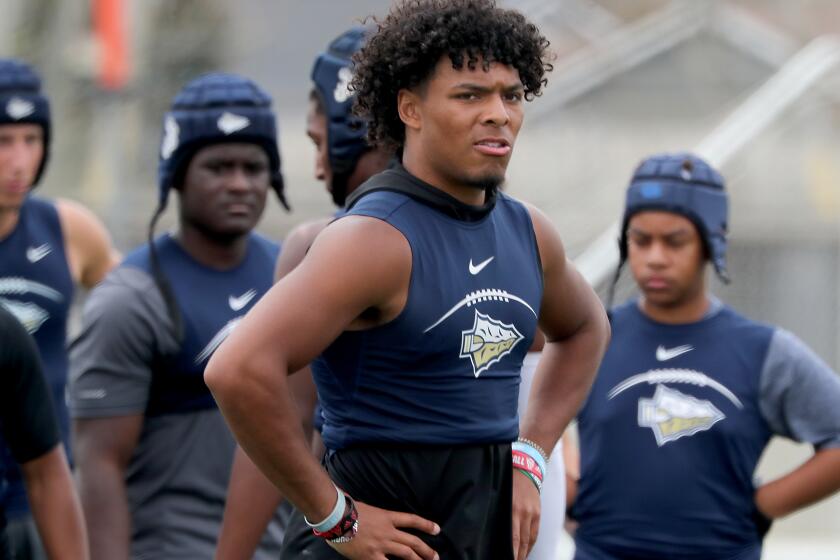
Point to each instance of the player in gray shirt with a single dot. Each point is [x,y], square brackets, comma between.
[154,453]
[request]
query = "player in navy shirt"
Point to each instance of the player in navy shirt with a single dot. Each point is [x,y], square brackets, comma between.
[46,249]
[154,453]
[343,161]
[690,392]
[28,423]
[423,300]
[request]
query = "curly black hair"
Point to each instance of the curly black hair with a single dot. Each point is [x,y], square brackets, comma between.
[410,41]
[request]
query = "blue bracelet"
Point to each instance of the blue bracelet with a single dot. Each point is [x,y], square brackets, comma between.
[532,452]
[333,518]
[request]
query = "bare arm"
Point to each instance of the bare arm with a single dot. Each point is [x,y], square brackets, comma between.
[294,322]
[90,252]
[55,506]
[251,502]
[817,478]
[296,246]
[103,448]
[252,499]
[576,332]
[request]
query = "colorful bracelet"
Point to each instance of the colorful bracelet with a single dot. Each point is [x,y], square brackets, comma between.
[533,444]
[346,528]
[532,452]
[333,518]
[537,482]
[526,463]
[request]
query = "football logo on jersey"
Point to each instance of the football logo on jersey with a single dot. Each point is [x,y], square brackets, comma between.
[476,297]
[230,123]
[671,415]
[31,316]
[342,88]
[18,108]
[171,137]
[487,342]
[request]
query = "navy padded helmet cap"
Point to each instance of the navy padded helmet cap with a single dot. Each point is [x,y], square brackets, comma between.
[214,109]
[684,184]
[22,102]
[331,75]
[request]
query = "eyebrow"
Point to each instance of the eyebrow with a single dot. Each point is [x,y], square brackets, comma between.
[485,89]
[674,233]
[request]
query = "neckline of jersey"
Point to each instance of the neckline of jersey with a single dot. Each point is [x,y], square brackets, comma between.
[445,203]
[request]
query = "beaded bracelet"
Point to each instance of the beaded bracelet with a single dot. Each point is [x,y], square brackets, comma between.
[536,446]
[531,452]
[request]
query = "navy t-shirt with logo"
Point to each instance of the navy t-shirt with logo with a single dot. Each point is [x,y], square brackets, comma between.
[675,424]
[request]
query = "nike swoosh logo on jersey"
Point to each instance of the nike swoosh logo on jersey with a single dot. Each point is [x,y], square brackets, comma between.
[237,303]
[475,269]
[664,354]
[35,254]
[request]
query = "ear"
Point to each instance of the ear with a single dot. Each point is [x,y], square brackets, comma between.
[408,107]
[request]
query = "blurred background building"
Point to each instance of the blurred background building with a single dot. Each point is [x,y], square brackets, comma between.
[750,84]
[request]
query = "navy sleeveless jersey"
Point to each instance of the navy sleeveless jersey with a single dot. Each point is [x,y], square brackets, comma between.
[670,437]
[446,369]
[211,303]
[37,287]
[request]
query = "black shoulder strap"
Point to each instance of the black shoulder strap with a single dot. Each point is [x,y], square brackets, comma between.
[385,181]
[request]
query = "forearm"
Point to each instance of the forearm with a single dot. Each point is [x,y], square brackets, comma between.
[817,478]
[251,502]
[562,381]
[105,505]
[258,406]
[55,507]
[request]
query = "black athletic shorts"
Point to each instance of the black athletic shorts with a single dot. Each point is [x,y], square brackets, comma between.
[466,490]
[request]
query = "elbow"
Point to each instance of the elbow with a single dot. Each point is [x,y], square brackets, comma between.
[234,376]
[220,373]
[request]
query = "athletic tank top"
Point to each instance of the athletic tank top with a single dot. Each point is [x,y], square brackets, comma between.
[37,287]
[446,370]
[211,303]
[670,437]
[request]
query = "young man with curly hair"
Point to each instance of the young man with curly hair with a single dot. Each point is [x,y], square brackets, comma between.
[443,283]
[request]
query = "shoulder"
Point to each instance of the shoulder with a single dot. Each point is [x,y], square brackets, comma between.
[304,234]
[37,204]
[269,248]
[789,348]
[360,234]
[628,311]
[126,290]
[124,311]
[551,251]
[77,217]
[90,251]
[297,244]
[379,204]
[745,328]
[362,247]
